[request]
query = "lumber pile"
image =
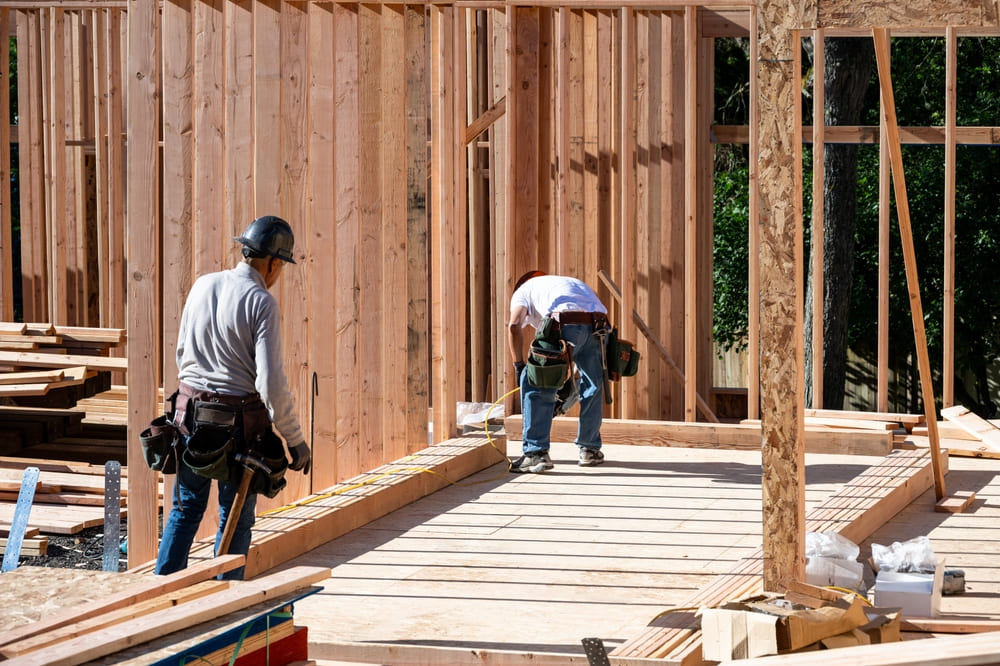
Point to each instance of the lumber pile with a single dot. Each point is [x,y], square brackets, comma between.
[189,616]
[69,497]
[67,356]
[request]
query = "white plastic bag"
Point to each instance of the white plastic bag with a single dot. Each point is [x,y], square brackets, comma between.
[913,556]
[829,544]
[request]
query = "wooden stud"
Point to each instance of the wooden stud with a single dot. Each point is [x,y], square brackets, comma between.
[690,213]
[418,381]
[143,241]
[818,190]
[345,404]
[950,165]
[906,237]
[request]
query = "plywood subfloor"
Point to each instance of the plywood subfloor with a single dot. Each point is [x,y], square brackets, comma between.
[537,562]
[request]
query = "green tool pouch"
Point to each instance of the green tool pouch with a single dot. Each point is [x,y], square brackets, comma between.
[159,445]
[209,451]
[622,357]
[211,448]
[548,358]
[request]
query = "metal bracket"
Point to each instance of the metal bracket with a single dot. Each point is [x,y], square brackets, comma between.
[112,514]
[597,655]
[18,525]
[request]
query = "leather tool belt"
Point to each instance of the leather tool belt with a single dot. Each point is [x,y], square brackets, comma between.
[590,318]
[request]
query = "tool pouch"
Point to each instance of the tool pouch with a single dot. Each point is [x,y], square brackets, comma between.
[211,448]
[621,356]
[159,445]
[548,358]
[271,452]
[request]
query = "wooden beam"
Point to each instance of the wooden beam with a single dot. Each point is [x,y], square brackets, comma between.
[909,255]
[142,204]
[690,212]
[739,436]
[126,634]
[485,119]
[818,200]
[950,163]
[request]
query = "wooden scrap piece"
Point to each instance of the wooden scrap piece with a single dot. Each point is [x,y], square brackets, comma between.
[975,425]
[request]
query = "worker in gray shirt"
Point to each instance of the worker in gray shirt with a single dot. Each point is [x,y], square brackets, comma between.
[231,390]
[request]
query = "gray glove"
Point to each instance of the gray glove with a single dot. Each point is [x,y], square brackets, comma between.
[301,457]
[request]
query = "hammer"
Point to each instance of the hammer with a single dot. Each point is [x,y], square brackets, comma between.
[250,465]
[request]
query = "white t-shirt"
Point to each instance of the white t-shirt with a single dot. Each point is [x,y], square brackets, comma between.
[546,294]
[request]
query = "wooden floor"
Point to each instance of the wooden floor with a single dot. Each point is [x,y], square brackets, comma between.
[535,563]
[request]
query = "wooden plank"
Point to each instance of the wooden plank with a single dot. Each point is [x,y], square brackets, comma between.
[323,352]
[881,39]
[394,271]
[142,196]
[41,376]
[948,297]
[34,546]
[346,405]
[63,360]
[721,435]
[135,593]
[94,645]
[974,424]
[97,623]
[417,306]
[370,326]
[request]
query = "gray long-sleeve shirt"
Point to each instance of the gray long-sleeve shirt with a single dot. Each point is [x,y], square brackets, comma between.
[230,342]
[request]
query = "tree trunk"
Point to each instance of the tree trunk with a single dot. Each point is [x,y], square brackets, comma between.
[848,68]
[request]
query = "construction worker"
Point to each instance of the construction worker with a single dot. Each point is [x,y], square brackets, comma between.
[569,320]
[232,386]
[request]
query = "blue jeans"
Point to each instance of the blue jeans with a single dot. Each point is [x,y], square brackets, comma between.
[538,404]
[189,503]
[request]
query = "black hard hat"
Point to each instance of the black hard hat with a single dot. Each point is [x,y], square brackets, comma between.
[269,236]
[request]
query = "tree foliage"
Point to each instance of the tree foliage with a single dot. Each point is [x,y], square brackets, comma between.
[919,72]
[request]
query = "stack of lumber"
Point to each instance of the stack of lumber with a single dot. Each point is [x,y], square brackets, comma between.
[108,407]
[962,433]
[69,497]
[184,617]
[68,355]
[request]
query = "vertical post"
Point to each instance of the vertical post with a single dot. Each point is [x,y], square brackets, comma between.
[819,152]
[782,347]
[950,113]
[690,213]
[143,223]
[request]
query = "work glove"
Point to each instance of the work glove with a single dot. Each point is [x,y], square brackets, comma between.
[301,457]
[518,369]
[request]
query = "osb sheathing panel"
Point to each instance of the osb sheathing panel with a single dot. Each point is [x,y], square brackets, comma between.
[781,298]
[892,14]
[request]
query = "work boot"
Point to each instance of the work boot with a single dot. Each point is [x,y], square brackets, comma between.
[590,457]
[532,462]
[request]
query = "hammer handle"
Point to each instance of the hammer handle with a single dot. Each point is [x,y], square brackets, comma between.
[233,517]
